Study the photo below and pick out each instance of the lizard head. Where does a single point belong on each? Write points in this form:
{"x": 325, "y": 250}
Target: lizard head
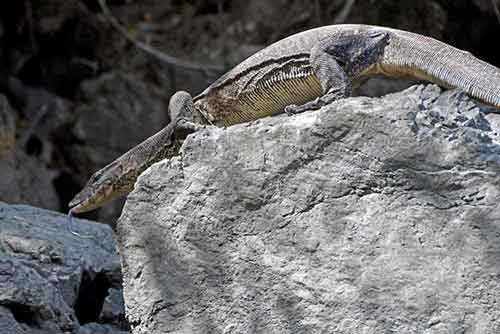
{"x": 357, "y": 52}
{"x": 103, "y": 186}
{"x": 118, "y": 178}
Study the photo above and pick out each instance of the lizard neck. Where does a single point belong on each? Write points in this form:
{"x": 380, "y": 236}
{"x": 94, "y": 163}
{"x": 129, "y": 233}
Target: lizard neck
{"x": 202, "y": 111}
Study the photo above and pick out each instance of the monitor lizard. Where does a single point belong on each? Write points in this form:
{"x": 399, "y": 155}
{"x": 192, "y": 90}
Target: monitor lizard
{"x": 302, "y": 72}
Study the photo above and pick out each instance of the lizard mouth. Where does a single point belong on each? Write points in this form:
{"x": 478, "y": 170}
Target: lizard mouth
{"x": 79, "y": 203}
{"x": 87, "y": 199}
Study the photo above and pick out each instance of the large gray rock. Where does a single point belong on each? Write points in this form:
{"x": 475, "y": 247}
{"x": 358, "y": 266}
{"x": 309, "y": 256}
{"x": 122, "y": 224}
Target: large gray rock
{"x": 52, "y": 281}
{"x": 372, "y": 215}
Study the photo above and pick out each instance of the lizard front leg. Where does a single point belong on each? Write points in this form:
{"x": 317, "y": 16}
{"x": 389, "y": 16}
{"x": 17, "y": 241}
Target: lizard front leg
{"x": 182, "y": 111}
{"x": 336, "y": 60}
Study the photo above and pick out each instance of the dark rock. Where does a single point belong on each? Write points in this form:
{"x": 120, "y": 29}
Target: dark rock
{"x": 380, "y": 86}
{"x": 53, "y": 43}
{"x": 26, "y": 175}
{"x": 118, "y": 112}
{"x": 113, "y": 309}
{"x": 25, "y": 179}
{"x": 52, "y": 281}
{"x": 427, "y": 17}
{"x": 7, "y": 126}
{"x": 369, "y": 215}
{"x": 8, "y": 324}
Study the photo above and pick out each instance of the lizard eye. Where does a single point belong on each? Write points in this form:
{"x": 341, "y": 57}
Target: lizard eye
{"x": 95, "y": 177}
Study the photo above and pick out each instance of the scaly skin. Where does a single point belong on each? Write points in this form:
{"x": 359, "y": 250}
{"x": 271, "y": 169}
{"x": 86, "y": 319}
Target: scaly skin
{"x": 302, "y": 72}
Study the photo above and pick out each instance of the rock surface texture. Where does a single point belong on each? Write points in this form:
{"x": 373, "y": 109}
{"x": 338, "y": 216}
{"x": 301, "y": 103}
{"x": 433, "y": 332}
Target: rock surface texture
{"x": 371, "y": 215}
{"x": 52, "y": 282}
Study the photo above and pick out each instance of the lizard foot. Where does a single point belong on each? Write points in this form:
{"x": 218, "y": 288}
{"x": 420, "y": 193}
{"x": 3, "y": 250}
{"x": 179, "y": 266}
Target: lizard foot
{"x": 293, "y": 109}
{"x": 329, "y": 97}
{"x": 183, "y": 128}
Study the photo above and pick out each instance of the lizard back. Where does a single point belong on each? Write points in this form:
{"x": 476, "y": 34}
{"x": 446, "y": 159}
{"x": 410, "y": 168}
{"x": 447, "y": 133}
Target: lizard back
{"x": 268, "y": 81}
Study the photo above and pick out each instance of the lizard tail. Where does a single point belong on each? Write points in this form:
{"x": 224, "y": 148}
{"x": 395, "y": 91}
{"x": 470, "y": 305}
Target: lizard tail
{"x": 432, "y": 60}
{"x": 474, "y": 76}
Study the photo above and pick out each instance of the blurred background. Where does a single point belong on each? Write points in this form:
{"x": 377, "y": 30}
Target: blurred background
{"x": 75, "y": 94}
